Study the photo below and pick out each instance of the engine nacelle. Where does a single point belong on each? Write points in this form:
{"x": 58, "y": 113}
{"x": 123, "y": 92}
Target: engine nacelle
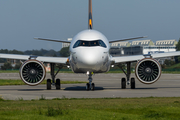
{"x": 148, "y": 70}
{"x": 32, "y": 72}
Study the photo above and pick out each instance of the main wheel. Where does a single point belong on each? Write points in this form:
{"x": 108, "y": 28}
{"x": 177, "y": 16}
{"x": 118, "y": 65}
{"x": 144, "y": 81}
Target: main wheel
{"x": 58, "y": 84}
{"x": 48, "y": 84}
{"x": 87, "y": 86}
{"x": 92, "y": 86}
{"x": 123, "y": 83}
{"x": 132, "y": 83}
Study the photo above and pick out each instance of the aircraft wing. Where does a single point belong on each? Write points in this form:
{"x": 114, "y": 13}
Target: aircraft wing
{"x": 134, "y": 58}
{"x": 111, "y": 41}
{"x": 53, "y": 40}
{"x": 60, "y": 60}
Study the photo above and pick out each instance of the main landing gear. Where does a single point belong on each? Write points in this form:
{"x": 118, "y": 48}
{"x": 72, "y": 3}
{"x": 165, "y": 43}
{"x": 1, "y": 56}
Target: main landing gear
{"x": 90, "y": 85}
{"x": 128, "y": 73}
{"x": 57, "y": 84}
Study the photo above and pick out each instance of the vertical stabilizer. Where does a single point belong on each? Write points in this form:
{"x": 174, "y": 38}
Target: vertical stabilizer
{"x": 90, "y": 26}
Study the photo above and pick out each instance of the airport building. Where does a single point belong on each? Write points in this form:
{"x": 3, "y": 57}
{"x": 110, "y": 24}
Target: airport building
{"x": 161, "y": 47}
{"x": 140, "y": 47}
{"x": 66, "y": 44}
{"x": 143, "y": 46}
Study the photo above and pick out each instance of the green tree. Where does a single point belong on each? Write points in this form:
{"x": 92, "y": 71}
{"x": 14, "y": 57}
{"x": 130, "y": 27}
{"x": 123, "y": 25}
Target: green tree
{"x": 17, "y": 66}
{"x": 6, "y": 66}
{"x": 64, "y": 52}
{"x": 178, "y": 45}
{"x": 168, "y": 62}
{"x": 177, "y": 58}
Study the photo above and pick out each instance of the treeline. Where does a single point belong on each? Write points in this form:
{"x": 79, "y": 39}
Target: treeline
{"x": 42, "y": 52}
{"x": 11, "y": 51}
{"x": 64, "y": 52}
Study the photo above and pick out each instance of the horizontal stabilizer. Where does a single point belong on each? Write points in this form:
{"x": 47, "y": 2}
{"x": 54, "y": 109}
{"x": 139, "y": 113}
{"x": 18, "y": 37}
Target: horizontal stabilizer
{"x": 111, "y": 41}
{"x": 53, "y": 40}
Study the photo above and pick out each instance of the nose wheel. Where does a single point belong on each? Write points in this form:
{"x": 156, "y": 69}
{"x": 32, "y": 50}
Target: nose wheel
{"x": 87, "y": 86}
{"x": 90, "y": 85}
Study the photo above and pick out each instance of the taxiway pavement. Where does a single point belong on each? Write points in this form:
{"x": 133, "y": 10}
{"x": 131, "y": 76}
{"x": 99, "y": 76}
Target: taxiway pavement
{"x": 106, "y": 85}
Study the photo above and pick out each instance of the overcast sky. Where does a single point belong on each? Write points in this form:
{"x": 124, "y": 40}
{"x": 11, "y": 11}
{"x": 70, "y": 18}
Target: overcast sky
{"x": 22, "y": 20}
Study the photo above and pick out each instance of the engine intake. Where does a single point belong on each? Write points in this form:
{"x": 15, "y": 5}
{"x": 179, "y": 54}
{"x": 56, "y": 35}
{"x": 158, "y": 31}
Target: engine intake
{"x": 148, "y": 70}
{"x": 32, "y": 72}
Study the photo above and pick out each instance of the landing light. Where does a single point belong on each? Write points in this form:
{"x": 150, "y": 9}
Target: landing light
{"x": 112, "y": 66}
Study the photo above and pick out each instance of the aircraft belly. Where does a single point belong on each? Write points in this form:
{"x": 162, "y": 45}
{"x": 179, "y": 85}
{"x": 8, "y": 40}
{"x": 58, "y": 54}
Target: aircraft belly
{"x": 79, "y": 67}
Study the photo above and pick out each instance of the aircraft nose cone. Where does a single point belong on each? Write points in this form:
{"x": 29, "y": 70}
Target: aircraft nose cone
{"x": 89, "y": 58}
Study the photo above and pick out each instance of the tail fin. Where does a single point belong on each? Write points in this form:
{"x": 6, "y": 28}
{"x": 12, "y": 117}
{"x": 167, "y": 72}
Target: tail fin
{"x": 90, "y": 26}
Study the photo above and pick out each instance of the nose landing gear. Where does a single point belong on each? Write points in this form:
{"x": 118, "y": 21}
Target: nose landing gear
{"x": 90, "y": 85}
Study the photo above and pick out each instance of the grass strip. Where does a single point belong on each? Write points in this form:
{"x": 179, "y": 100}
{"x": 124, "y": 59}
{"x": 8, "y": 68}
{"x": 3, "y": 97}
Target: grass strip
{"x": 4, "y": 82}
{"x": 92, "y": 109}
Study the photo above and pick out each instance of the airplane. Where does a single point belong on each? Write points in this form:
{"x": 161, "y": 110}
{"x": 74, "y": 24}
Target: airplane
{"x": 89, "y": 54}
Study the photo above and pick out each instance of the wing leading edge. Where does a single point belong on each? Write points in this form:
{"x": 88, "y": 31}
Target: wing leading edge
{"x": 111, "y": 41}
{"x": 134, "y": 58}
{"x": 53, "y": 40}
{"x": 60, "y": 60}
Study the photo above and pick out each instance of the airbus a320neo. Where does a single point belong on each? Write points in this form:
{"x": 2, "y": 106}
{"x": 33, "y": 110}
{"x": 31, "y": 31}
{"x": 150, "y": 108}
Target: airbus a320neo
{"x": 89, "y": 53}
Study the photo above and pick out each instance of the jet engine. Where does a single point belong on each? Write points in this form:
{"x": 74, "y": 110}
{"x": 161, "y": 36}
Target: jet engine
{"x": 32, "y": 72}
{"x": 148, "y": 70}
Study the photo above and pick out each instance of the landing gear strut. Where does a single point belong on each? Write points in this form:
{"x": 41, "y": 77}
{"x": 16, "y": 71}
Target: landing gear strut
{"x": 53, "y": 76}
{"x": 90, "y": 85}
{"x": 128, "y": 74}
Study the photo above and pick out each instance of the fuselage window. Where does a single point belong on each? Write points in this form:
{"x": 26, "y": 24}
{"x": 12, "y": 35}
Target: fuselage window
{"x": 77, "y": 44}
{"x": 89, "y": 43}
{"x": 101, "y": 43}
{"x": 94, "y": 43}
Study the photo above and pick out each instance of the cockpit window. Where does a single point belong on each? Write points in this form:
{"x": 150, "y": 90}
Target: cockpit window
{"x": 89, "y": 43}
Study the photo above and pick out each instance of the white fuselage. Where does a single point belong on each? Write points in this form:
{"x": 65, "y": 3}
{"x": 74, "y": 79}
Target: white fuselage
{"x": 89, "y": 52}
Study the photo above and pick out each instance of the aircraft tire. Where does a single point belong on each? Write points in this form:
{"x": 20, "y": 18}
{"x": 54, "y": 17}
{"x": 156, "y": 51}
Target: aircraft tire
{"x": 92, "y": 86}
{"x": 123, "y": 83}
{"x": 48, "y": 84}
{"x": 87, "y": 86}
{"x": 132, "y": 83}
{"x": 58, "y": 84}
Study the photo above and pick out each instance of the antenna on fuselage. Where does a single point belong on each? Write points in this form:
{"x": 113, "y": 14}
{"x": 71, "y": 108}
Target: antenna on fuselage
{"x": 90, "y": 26}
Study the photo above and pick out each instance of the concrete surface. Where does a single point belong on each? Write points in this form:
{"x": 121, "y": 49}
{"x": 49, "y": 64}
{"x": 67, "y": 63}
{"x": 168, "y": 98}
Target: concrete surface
{"x": 106, "y": 85}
